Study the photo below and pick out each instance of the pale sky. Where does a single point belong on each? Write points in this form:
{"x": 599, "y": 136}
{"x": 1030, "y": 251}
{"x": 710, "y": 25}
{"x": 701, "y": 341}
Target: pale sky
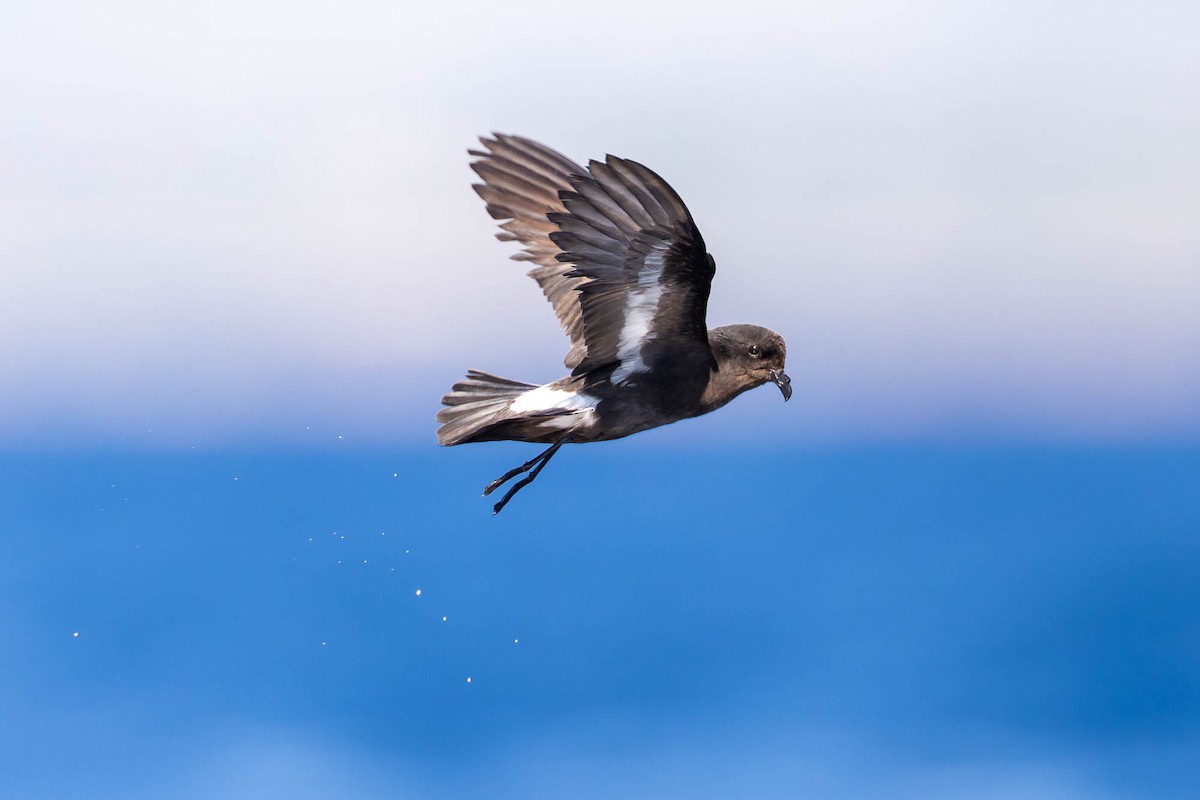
{"x": 245, "y": 222}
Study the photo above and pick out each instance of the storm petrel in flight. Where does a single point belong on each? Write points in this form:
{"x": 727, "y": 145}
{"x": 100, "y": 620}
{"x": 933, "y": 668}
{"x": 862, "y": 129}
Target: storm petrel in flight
{"x": 619, "y": 257}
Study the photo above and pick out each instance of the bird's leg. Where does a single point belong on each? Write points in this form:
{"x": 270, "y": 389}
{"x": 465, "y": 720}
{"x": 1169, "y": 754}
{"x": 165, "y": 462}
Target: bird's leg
{"x": 512, "y": 473}
{"x": 537, "y": 463}
{"x": 528, "y": 479}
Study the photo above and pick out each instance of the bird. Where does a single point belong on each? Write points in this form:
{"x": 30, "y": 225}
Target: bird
{"x": 618, "y": 255}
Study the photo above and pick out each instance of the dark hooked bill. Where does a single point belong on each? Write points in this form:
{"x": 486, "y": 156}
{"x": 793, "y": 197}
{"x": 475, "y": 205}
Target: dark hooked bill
{"x": 780, "y": 379}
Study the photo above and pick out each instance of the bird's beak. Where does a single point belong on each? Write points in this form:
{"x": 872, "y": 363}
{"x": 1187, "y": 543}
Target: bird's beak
{"x": 780, "y": 379}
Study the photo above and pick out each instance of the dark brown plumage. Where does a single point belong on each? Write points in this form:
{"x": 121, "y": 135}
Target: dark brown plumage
{"x": 620, "y": 259}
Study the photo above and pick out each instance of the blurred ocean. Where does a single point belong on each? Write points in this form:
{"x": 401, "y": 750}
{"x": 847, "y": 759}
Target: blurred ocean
{"x": 881, "y": 622}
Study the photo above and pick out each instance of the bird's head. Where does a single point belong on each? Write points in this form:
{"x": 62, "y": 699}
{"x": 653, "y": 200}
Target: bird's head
{"x": 749, "y": 356}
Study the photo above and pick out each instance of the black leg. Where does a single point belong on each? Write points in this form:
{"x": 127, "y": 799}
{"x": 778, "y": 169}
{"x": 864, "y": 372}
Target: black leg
{"x": 514, "y": 472}
{"x": 537, "y": 463}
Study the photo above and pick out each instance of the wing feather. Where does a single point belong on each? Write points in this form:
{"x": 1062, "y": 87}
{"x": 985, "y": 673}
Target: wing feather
{"x": 645, "y": 301}
{"x": 615, "y": 251}
{"x": 522, "y": 180}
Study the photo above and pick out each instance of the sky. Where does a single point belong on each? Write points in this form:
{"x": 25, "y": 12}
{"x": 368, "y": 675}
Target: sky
{"x": 236, "y": 222}
{"x": 240, "y": 262}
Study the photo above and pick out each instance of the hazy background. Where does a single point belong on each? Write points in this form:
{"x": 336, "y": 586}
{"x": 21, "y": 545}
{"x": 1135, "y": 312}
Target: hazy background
{"x": 240, "y": 262}
{"x": 232, "y": 220}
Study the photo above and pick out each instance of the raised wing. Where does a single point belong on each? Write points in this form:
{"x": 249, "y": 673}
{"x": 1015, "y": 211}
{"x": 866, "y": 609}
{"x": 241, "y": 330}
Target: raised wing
{"x": 645, "y": 272}
{"x": 522, "y": 181}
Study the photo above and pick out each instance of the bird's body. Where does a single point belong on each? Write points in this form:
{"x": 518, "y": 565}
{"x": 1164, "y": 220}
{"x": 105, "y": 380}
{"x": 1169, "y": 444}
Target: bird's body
{"x": 621, "y": 260}
{"x": 590, "y": 408}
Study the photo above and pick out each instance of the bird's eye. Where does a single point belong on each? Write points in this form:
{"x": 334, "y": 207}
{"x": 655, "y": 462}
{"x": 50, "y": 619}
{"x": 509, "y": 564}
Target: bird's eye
{"x": 755, "y": 351}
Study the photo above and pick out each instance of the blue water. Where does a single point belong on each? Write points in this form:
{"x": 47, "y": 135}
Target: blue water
{"x": 881, "y": 622}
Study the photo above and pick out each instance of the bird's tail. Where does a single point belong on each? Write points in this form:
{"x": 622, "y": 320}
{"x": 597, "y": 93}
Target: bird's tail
{"x": 475, "y": 403}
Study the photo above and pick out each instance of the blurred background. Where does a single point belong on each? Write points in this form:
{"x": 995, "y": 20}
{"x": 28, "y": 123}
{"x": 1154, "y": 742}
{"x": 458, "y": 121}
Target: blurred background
{"x": 240, "y": 262}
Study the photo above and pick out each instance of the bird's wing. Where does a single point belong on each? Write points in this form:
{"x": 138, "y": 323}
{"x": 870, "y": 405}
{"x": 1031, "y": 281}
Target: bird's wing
{"x": 522, "y": 180}
{"x": 645, "y": 271}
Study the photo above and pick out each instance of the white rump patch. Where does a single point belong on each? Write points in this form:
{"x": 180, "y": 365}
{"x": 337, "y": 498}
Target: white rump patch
{"x": 639, "y": 313}
{"x": 543, "y": 398}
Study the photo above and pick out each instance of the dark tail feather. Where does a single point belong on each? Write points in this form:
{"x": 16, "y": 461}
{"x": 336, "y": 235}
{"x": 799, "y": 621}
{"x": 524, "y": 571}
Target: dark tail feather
{"x": 475, "y": 403}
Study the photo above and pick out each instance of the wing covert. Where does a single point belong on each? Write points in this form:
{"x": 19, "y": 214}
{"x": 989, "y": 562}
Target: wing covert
{"x": 616, "y": 252}
{"x": 648, "y": 275}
